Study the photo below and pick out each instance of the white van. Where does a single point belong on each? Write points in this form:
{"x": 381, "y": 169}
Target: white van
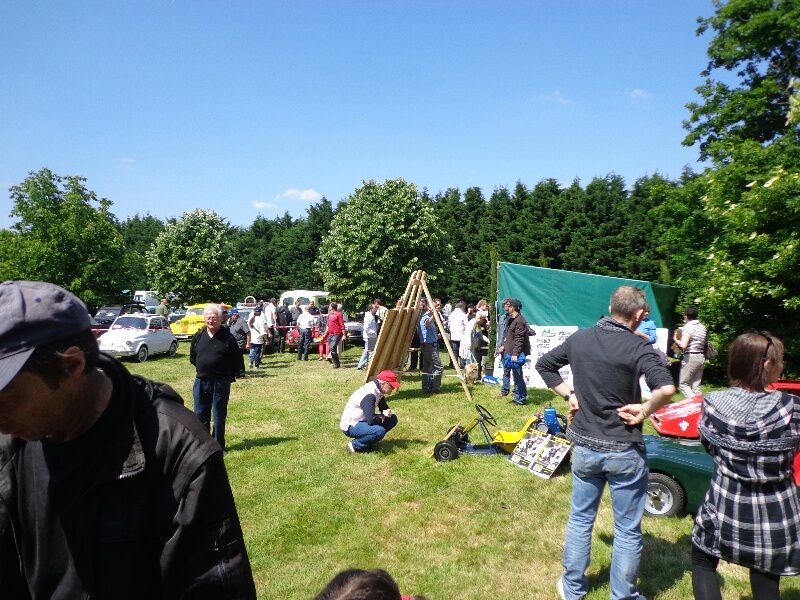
{"x": 304, "y": 296}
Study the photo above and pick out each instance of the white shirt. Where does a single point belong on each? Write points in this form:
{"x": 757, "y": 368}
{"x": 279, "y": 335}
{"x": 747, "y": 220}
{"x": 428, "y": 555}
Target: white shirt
{"x": 269, "y": 314}
{"x": 358, "y": 408}
{"x": 305, "y": 320}
{"x": 458, "y": 324}
{"x": 370, "y": 326}
{"x": 257, "y": 329}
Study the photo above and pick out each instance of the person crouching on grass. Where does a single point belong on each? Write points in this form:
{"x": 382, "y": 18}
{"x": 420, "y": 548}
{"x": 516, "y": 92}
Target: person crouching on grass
{"x": 359, "y": 419}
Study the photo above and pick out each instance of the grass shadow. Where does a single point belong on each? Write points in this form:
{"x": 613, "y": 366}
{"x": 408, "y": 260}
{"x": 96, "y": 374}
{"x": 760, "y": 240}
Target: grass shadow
{"x": 673, "y": 562}
{"x": 259, "y": 442}
{"x": 394, "y": 444}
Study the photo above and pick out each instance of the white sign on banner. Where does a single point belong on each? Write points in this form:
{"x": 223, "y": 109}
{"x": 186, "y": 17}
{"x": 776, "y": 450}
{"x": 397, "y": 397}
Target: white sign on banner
{"x": 546, "y": 338}
{"x": 549, "y": 337}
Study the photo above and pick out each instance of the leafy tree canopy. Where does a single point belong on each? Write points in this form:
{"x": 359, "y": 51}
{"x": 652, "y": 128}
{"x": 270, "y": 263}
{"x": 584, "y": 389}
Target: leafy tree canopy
{"x": 758, "y": 41}
{"x": 381, "y": 235}
{"x": 193, "y": 258}
{"x": 66, "y": 235}
{"x": 139, "y": 234}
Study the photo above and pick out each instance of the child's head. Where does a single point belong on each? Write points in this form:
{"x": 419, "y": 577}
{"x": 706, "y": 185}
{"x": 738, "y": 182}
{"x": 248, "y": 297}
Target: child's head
{"x": 357, "y": 584}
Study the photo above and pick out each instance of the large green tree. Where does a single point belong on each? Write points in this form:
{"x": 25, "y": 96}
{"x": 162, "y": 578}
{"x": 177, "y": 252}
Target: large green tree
{"x": 66, "y": 235}
{"x": 193, "y": 258}
{"x": 758, "y": 42}
{"x": 381, "y": 235}
{"x": 139, "y": 234}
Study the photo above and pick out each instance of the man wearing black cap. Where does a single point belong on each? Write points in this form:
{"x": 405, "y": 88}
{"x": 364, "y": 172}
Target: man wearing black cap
{"x": 109, "y": 487}
{"x": 516, "y": 347}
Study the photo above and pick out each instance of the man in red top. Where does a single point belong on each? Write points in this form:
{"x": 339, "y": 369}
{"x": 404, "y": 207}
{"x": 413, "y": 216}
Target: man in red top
{"x": 334, "y": 332}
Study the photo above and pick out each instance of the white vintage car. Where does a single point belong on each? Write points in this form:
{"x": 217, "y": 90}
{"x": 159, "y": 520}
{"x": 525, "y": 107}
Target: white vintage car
{"x": 139, "y": 335}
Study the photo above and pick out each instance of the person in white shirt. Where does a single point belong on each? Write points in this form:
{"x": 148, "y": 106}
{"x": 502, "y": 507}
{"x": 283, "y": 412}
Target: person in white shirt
{"x": 458, "y": 327}
{"x": 257, "y": 329}
{"x": 369, "y": 335}
{"x": 359, "y": 419}
{"x": 271, "y": 319}
{"x": 305, "y": 323}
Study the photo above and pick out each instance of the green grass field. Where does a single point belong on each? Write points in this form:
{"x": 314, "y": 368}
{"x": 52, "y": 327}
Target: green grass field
{"x": 475, "y": 528}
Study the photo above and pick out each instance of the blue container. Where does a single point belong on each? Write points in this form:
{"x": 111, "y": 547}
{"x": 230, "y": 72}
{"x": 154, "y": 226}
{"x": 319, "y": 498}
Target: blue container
{"x": 551, "y": 420}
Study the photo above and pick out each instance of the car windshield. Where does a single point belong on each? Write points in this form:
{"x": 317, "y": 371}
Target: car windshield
{"x": 195, "y": 311}
{"x": 107, "y": 313}
{"x": 130, "y": 323}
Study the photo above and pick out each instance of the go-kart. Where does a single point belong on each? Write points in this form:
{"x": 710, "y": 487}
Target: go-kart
{"x": 456, "y": 442}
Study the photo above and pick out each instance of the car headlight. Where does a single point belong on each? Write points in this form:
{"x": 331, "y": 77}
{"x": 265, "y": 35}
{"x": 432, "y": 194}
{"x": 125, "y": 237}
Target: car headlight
{"x": 129, "y": 344}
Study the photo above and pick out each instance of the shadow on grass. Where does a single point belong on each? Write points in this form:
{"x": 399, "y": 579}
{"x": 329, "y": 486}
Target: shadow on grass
{"x": 673, "y": 562}
{"x": 259, "y": 442}
{"x": 392, "y": 445}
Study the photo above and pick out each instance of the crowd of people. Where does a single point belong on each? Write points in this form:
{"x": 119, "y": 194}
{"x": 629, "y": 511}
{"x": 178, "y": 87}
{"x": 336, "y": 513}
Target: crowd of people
{"x": 108, "y": 482}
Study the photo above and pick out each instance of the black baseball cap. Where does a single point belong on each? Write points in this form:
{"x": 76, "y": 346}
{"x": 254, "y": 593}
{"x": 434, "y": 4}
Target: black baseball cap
{"x": 35, "y": 313}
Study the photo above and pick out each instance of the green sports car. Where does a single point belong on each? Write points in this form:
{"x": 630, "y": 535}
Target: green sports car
{"x": 680, "y": 473}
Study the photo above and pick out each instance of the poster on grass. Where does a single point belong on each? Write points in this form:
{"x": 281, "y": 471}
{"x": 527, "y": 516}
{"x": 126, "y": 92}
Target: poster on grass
{"x": 540, "y": 453}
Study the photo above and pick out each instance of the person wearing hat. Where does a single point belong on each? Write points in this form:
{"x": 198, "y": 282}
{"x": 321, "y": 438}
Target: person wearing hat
{"x": 514, "y": 350}
{"x": 359, "y": 419}
{"x": 109, "y": 487}
{"x": 162, "y": 310}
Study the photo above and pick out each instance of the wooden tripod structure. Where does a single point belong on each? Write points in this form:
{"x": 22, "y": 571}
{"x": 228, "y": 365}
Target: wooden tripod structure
{"x": 397, "y": 330}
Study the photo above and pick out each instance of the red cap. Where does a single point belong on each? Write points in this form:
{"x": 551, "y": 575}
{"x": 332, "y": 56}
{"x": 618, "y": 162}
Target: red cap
{"x": 389, "y": 377}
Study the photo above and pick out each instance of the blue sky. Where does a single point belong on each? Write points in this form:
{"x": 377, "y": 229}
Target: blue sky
{"x": 254, "y": 108}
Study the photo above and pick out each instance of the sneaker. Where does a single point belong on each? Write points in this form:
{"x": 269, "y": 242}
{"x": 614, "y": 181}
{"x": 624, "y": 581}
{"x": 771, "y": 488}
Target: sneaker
{"x": 560, "y": 588}
{"x": 520, "y": 402}
{"x": 350, "y": 448}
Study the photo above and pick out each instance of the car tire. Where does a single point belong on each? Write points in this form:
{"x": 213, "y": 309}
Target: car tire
{"x": 445, "y": 451}
{"x": 173, "y": 349}
{"x": 142, "y": 354}
{"x": 665, "y": 496}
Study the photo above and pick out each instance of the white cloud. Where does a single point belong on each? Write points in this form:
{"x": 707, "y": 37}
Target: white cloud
{"x": 126, "y": 162}
{"x": 556, "y": 97}
{"x": 640, "y": 95}
{"x": 265, "y": 205}
{"x": 309, "y": 195}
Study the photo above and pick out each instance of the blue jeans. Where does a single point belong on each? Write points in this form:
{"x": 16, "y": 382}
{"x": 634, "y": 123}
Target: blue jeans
{"x": 626, "y": 473}
{"x": 333, "y": 345}
{"x": 433, "y": 369}
{"x": 302, "y": 345}
{"x": 255, "y": 354}
{"x": 520, "y": 389}
{"x": 211, "y": 397}
{"x": 369, "y": 348}
{"x": 366, "y": 436}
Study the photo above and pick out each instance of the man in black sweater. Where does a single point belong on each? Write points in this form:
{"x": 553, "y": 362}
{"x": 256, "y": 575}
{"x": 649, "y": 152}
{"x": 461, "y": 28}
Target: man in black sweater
{"x": 215, "y": 354}
{"x": 607, "y": 361}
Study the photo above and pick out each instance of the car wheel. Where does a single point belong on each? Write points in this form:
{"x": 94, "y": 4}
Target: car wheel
{"x": 142, "y": 354}
{"x": 173, "y": 348}
{"x": 445, "y": 451}
{"x": 665, "y": 496}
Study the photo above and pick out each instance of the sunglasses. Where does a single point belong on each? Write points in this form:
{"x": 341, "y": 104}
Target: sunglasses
{"x": 766, "y": 336}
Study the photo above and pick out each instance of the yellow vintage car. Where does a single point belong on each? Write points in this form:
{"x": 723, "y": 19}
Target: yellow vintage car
{"x": 186, "y": 327}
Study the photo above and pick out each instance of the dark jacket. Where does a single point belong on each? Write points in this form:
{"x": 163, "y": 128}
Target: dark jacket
{"x": 516, "y": 340}
{"x": 157, "y": 520}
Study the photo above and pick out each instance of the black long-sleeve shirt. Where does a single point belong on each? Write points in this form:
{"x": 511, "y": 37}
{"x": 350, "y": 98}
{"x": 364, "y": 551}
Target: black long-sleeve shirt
{"x": 606, "y": 361}
{"x": 216, "y": 357}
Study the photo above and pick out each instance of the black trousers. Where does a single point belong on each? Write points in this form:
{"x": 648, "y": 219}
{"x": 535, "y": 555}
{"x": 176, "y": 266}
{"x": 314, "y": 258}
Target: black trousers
{"x": 705, "y": 585}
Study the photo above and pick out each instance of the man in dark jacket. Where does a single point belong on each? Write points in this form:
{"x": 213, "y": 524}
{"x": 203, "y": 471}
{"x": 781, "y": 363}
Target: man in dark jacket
{"x": 607, "y": 361}
{"x": 109, "y": 487}
{"x": 283, "y": 322}
{"x": 215, "y": 355}
{"x": 514, "y": 351}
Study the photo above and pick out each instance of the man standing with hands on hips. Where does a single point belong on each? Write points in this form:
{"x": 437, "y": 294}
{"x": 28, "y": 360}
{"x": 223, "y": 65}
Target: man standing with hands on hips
{"x": 607, "y": 361}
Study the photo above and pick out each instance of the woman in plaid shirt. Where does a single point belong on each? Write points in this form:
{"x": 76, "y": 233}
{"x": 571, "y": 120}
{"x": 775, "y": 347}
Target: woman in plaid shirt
{"x": 751, "y": 514}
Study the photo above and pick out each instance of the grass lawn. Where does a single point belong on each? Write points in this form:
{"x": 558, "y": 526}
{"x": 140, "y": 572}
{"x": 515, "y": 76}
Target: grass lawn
{"x": 475, "y": 528}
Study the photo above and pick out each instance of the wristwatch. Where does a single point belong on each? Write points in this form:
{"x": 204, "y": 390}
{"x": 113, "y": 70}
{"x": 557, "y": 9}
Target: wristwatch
{"x": 570, "y": 395}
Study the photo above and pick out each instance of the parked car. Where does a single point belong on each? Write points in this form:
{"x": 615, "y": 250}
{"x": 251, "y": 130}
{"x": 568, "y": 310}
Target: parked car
{"x": 105, "y": 315}
{"x": 304, "y": 296}
{"x": 186, "y": 327}
{"x": 680, "y": 473}
{"x": 139, "y": 335}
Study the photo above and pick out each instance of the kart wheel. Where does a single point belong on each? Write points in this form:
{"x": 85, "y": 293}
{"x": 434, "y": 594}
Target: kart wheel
{"x": 173, "y": 349}
{"x": 665, "y": 496}
{"x": 142, "y": 354}
{"x": 445, "y": 451}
